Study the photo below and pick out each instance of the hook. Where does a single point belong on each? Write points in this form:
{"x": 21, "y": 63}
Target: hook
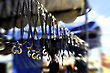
{"x": 33, "y": 56}
{"x": 19, "y": 46}
{"x": 29, "y": 50}
{"x": 38, "y": 57}
{"x": 20, "y": 50}
{"x": 29, "y": 55}
{"x": 48, "y": 58}
{"x": 44, "y": 52}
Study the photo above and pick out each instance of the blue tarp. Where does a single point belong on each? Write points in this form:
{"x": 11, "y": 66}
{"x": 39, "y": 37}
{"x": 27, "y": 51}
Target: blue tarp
{"x": 73, "y": 28}
{"x": 78, "y": 28}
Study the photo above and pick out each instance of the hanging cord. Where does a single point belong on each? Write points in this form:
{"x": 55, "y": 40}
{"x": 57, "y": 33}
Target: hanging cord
{"x": 37, "y": 15}
{"x": 53, "y": 24}
{"x": 16, "y": 45}
{"x": 62, "y": 44}
{"x": 36, "y": 48}
{"x": 86, "y": 27}
{"x": 42, "y": 20}
{"x": 33, "y": 41}
{"x": 42, "y": 15}
{"x": 26, "y": 5}
{"x": 22, "y": 20}
{"x": 43, "y": 25}
{"x": 30, "y": 31}
{"x": 29, "y": 14}
{"x": 22, "y": 29}
{"x": 24, "y": 8}
{"x": 50, "y": 25}
{"x": 36, "y": 20}
{"x": 86, "y": 20}
{"x": 32, "y": 22}
{"x": 13, "y": 19}
{"x": 27, "y": 62}
{"x": 45, "y": 19}
{"x": 71, "y": 40}
{"x": 66, "y": 39}
{"x": 46, "y": 22}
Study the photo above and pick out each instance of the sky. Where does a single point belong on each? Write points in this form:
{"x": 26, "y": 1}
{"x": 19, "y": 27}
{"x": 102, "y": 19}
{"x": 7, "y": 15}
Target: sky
{"x": 101, "y": 6}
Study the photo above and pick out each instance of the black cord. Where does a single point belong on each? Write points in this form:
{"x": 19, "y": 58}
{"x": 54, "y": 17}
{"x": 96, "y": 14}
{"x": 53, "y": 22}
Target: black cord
{"x": 62, "y": 43}
{"x": 46, "y": 23}
{"x": 86, "y": 20}
{"x": 42, "y": 21}
{"x": 86, "y": 27}
{"x": 22, "y": 20}
{"x": 13, "y": 19}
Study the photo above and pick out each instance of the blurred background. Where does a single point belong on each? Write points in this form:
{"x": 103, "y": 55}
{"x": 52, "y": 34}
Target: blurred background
{"x": 102, "y": 11}
{"x": 72, "y": 16}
